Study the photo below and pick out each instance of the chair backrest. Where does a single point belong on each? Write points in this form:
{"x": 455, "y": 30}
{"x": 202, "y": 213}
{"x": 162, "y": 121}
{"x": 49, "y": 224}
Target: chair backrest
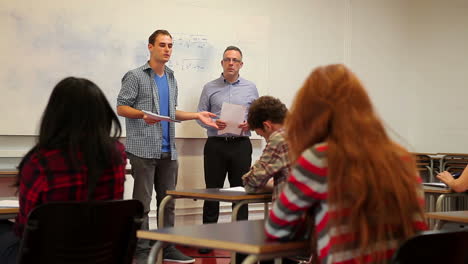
{"x": 94, "y": 232}
{"x": 441, "y": 246}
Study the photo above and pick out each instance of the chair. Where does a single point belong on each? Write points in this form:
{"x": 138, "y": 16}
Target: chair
{"x": 442, "y": 246}
{"x": 425, "y": 166}
{"x": 92, "y": 232}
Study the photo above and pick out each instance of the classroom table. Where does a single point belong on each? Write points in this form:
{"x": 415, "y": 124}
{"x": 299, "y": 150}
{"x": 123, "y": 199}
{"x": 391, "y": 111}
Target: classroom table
{"x": 441, "y": 194}
{"x": 444, "y": 217}
{"x": 215, "y": 194}
{"x": 7, "y": 179}
{"x": 247, "y": 237}
{"x": 8, "y": 172}
{"x": 8, "y": 212}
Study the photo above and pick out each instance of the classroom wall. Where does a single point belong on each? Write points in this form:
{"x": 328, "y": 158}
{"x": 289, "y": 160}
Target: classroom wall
{"x": 409, "y": 54}
{"x": 439, "y": 69}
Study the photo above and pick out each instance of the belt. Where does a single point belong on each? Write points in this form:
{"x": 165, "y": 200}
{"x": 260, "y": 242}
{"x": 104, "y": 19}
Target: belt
{"x": 229, "y": 139}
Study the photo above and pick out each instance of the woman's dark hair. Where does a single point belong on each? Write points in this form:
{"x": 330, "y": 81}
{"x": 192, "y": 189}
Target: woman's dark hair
{"x": 79, "y": 120}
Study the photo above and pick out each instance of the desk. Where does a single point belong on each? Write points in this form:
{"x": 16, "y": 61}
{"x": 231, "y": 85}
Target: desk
{"x": 246, "y": 237}
{"x": 8, "y": 212}
{"x": 215, "y": 194}
{"x": 219, "y": 195}
{"x": 7, "y": 179}
{"x": 452, "y": 216}
{"x": 441, "y": 194}
{"x": 8, "y": 172}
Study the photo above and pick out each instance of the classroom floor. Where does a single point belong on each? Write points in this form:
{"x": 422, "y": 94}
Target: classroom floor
{"x": 217, "y": 256}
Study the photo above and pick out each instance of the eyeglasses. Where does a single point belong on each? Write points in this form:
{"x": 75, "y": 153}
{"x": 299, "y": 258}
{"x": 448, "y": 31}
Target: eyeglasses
{"x": 234, "y": 60}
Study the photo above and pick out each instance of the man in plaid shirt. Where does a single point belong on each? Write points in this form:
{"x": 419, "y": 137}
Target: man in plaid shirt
{"x": 266, "y": 116}
{"x": 150, "y": 143}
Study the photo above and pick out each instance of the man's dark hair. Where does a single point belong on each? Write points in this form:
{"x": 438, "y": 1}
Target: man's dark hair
{"x": 266, "y": 108}
{"x": 233, "y": 48}
{"x": 155, "y": 34}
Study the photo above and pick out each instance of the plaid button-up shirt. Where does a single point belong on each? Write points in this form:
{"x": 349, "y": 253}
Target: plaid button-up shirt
{"x": 274, "y": 162}
{"x": 47, "y": 177}
{"x": 139, "y": 91}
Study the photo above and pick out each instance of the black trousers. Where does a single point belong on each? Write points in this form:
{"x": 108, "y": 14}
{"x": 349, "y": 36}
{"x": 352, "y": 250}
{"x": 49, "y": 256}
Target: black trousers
{"x": 225, "y": 156}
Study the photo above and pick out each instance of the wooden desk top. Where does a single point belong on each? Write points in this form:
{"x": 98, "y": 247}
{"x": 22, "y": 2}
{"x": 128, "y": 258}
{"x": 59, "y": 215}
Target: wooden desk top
{"x": 428, "y": 189}
{"x": 9, "y": 210}
{"x": 221, "y": 195}
{"x": 241, "y": 236}
{"x": 8, "y": 172}
{"x": 453, "y": 216}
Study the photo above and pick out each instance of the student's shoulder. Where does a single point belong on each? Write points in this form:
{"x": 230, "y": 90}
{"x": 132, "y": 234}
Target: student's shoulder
{"x": 138, "y": 71}
{"x": 316, "y": 152}
{"x": 278, "y": 138}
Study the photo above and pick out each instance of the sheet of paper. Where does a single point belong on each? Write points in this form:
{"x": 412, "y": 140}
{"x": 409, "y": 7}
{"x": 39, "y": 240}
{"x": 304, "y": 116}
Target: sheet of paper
{"x": 435, "y": 184}
{"x": 234, "y": 189}
{"x": 233, "y": 115}
{"x": 159, "y": 117}
{"x": 9, "y": 203}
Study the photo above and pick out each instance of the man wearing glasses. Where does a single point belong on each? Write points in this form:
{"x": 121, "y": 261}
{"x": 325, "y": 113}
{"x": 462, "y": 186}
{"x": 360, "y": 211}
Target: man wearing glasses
{"x": 227, "y": 153}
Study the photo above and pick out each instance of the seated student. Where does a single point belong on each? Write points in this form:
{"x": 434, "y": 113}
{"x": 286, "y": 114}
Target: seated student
{"x": 75, "y": 159}
{"x": 266, "y": 116}
{"x": 459, "y": 184}
{"x": 360, "y": 188}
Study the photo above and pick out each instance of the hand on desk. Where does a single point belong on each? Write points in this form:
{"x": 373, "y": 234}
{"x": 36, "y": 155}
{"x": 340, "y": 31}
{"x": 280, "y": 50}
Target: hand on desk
{"x": 446, "y": 178}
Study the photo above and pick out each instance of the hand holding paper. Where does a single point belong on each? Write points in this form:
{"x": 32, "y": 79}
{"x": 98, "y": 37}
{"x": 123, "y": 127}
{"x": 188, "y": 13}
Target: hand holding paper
{"x": 156, "y": 118}
{"x": 233, "y": 116}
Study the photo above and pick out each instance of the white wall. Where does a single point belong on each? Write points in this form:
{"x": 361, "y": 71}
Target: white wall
{"x": 439, "y": 75}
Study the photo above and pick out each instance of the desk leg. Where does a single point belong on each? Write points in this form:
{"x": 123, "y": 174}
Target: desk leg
{"x": 156, "y": 253}
{"x": 265, "y": 210}
{"x": 235, "y": 210}
{"x": 250, "y": 259}
{"x": 439, "y": 202}
{"x": 161, "y": 208}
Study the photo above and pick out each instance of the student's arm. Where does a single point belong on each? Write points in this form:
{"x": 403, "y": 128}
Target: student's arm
{"x": 130, "y": 112}
{"x": 273, "y": 159}
{"x": 304, "y": 189}
{"x": 458, "y": 185}
{"x": 127, "y": 98}
{"x": 204, "y": 117}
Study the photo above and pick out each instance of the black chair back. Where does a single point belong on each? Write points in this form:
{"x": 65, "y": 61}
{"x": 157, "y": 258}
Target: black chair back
{"x": 95, "y": 232}
{"x": 441, "y": 246}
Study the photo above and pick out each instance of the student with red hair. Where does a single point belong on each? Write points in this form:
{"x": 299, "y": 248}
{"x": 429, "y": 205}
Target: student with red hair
{"x": 360, "y": 188}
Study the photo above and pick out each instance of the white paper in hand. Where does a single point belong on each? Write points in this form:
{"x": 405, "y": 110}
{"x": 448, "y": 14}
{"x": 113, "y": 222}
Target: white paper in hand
{"x": 159, "y": 117}
{"x": 233, "y": 115}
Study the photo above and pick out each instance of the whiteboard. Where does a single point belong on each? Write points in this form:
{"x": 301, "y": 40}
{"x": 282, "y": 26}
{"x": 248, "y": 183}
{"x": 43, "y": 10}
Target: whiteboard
{"x": 102, "y": 40}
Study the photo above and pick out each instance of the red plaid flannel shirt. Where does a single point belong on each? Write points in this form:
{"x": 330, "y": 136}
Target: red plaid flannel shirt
{"x": 49, "y": 179}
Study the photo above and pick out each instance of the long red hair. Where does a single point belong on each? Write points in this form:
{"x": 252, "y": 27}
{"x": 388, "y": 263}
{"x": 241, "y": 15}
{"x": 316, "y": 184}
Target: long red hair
{"x": 368, "y": 174}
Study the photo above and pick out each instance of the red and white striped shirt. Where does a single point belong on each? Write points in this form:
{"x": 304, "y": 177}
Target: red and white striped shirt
{"x": 307, "y": 189}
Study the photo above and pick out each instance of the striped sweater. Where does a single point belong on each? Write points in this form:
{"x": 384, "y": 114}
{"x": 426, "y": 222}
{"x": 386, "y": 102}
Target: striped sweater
{"x": 307, "y": 189}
